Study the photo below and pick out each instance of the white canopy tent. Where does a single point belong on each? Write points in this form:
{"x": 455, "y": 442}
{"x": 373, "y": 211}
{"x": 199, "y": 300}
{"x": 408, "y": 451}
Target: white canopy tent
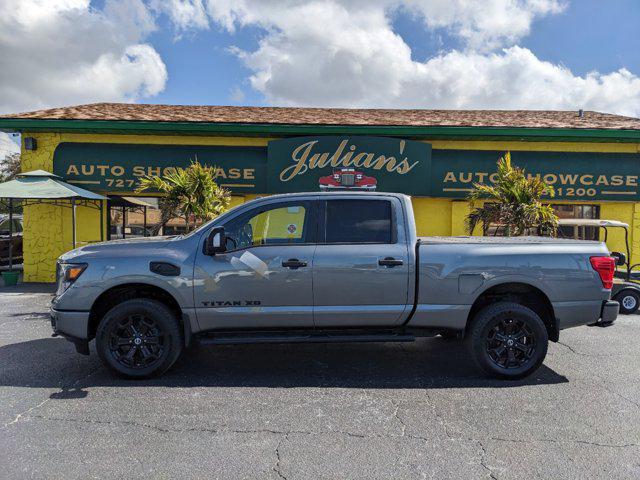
{"x": 39, "y": 186}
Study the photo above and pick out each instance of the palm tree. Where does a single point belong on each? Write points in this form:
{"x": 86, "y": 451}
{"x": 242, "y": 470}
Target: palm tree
{"x": 513, "y": 201}
{"x": 191, "y": 192}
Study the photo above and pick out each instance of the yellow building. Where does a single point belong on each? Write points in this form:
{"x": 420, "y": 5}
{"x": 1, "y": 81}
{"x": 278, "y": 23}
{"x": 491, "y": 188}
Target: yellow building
{"x": 592, "y": 160}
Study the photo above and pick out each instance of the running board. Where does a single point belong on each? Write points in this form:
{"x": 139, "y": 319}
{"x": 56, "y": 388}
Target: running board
{"x": 280, "y": 337}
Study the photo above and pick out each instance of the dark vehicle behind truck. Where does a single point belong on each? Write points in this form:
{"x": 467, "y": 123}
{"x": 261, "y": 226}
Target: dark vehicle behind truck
{"x": 10, "y": 236}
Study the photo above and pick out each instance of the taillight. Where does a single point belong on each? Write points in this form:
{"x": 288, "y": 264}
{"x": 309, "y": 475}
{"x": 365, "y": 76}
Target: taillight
{"x": 605, "y": 266}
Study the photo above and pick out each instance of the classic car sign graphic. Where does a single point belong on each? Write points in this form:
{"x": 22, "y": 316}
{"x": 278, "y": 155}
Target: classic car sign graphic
{"x": 347, "y": 178}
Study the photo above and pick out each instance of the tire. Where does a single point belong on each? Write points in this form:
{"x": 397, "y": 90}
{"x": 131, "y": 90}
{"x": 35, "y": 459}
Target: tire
{"x": 518, "y": 351}
{"x": 629, "y": 301}
{"x": 139, "y": 338}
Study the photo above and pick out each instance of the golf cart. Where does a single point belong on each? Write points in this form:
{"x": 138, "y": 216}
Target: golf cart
{"x": 626, "y": 284}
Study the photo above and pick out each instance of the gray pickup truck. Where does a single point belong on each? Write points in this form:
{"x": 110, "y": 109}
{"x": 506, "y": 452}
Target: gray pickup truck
{"x": 328, "y": 267}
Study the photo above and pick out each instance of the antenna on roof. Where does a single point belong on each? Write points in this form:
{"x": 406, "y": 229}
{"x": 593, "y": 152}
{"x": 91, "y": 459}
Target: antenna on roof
{"x": 580, "y": 113}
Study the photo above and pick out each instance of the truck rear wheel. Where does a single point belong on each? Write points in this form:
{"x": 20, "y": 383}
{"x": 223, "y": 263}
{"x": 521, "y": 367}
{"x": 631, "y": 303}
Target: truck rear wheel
{"x": 508, "y": 340}
{"x": 139, "y": 338}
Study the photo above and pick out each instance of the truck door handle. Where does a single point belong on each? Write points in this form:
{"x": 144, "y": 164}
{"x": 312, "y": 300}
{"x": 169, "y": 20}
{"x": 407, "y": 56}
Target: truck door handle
{"x": 389, "y": 262}
{"x": 293, "y": 263}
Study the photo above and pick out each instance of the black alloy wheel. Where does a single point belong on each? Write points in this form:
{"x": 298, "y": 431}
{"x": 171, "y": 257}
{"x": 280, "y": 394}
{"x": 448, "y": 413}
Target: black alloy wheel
{"x": 139, "y": 338}
{"x": 510, "y": 343}
{"x": 507, "y": 340}
{"x": 137, "y": 342}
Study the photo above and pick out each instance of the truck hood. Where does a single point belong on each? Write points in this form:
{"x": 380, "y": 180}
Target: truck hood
{"x": 132, "y": 247}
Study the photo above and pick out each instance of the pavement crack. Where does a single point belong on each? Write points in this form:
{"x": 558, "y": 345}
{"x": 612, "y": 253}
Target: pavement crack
{"x": 399, "y": 419}
{"x": 439, "y": 417}
{"x": 552, "y": 440}
{"x": 224, "y": 430}
{"x": 26, "y": 412}
{"x": 483, "y": 461}
{"x": 613, "y": 392}
{"x": 277, "y": 467}
{"x": 577, "y": 352}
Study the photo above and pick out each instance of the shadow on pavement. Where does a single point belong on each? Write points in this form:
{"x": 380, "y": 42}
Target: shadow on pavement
{"x": 428, "y": 363}
{"x": 30, "y": 288}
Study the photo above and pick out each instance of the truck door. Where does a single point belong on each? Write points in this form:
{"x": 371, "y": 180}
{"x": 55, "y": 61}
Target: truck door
{"x": 361, "y": 271}
{"x": 264, "y": 278}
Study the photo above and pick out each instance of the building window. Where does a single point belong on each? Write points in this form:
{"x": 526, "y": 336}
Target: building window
{"x": 578, "y": 211}
{"x": 131, "y": 217}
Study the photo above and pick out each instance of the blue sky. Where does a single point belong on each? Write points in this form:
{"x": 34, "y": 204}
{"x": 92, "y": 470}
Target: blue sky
{"x": 490, "y": 54}
{"x": 588, "y": 35}
{"x": 201, "y": 68}
{"x": 462, "y": 54}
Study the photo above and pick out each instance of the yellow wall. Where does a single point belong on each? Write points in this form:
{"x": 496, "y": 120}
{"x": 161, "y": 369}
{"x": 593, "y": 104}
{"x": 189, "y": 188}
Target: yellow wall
{"x": 47, "y": 232}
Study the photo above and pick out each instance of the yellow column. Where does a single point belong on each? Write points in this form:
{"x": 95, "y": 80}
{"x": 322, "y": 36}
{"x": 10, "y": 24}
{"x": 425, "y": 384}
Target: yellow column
{"x": 44, "y": 225}
{"x": 634, "y": 234}
{"x": 459, "y": 211}
{"x": 433, "y": 215}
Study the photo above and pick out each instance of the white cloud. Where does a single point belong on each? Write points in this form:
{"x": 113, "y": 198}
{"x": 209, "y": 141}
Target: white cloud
{"x": 346, "y": 53}
{"x": 7, "y": 145}
{"x": 61, "y": 52}
{"x": 487, "y": 24}
{"x": 311, "y": 53}
{"x": 185, "y": 14}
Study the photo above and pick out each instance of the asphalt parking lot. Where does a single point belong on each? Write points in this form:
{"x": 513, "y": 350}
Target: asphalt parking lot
{"x": 415, "y": 410}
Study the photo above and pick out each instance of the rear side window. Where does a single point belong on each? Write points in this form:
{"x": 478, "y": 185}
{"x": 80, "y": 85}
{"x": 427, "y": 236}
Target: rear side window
{"x": 358, "y": 221}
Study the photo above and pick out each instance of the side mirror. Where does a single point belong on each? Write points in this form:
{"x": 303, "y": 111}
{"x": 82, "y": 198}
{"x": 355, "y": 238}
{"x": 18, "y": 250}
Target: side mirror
{"x": 216, "y": 242}
{"x": 621, "y": 258}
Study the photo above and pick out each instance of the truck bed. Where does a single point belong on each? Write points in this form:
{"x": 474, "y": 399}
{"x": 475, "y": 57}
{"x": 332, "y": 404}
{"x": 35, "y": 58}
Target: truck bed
{"x": 504, "y": 240}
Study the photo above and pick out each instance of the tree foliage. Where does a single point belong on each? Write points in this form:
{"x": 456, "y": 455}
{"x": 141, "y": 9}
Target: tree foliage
{"x": 513, "y": 203}
{"x": 188, "y": 193}
{"x": 9, "y": 167}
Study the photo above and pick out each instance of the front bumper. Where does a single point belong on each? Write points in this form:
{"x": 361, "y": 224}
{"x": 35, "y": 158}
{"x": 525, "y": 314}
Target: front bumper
{"x": 70, "y": 324}
{"x": 609, "y": 312}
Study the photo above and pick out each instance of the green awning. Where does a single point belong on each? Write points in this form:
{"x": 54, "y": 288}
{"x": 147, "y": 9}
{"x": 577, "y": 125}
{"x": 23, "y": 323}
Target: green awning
{"x": 39, "y": 184}
{"x": 129, "y": 202}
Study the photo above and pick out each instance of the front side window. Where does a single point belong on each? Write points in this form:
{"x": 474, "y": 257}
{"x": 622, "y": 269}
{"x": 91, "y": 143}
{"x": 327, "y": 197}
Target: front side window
{"x": 359, "y": 221}
{"x": 278, "y": 225}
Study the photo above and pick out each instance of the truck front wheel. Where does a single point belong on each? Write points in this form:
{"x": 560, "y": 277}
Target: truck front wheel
{"x": 139, "y": 338}
{"x": 508, "y": 340}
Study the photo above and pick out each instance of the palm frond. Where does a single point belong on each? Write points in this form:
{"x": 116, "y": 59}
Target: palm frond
{"x": 188, "y": 192}
{"x": 513, "y": 200}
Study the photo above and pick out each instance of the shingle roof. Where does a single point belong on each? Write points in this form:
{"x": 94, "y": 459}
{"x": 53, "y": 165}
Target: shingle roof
{"x": 335, "y": 116}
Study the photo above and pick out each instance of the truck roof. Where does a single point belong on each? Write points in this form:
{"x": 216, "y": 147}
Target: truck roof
{"x": 346, "y": 191}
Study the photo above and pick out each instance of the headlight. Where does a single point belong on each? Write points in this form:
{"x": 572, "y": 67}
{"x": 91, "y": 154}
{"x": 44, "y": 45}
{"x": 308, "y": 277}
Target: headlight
{"x": 67, "y": 274}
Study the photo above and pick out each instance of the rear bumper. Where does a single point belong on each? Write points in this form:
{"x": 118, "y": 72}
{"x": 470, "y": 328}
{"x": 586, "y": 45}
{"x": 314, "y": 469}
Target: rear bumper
{"x": 575, "y": 314}
{"x": 609, "y": 312}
